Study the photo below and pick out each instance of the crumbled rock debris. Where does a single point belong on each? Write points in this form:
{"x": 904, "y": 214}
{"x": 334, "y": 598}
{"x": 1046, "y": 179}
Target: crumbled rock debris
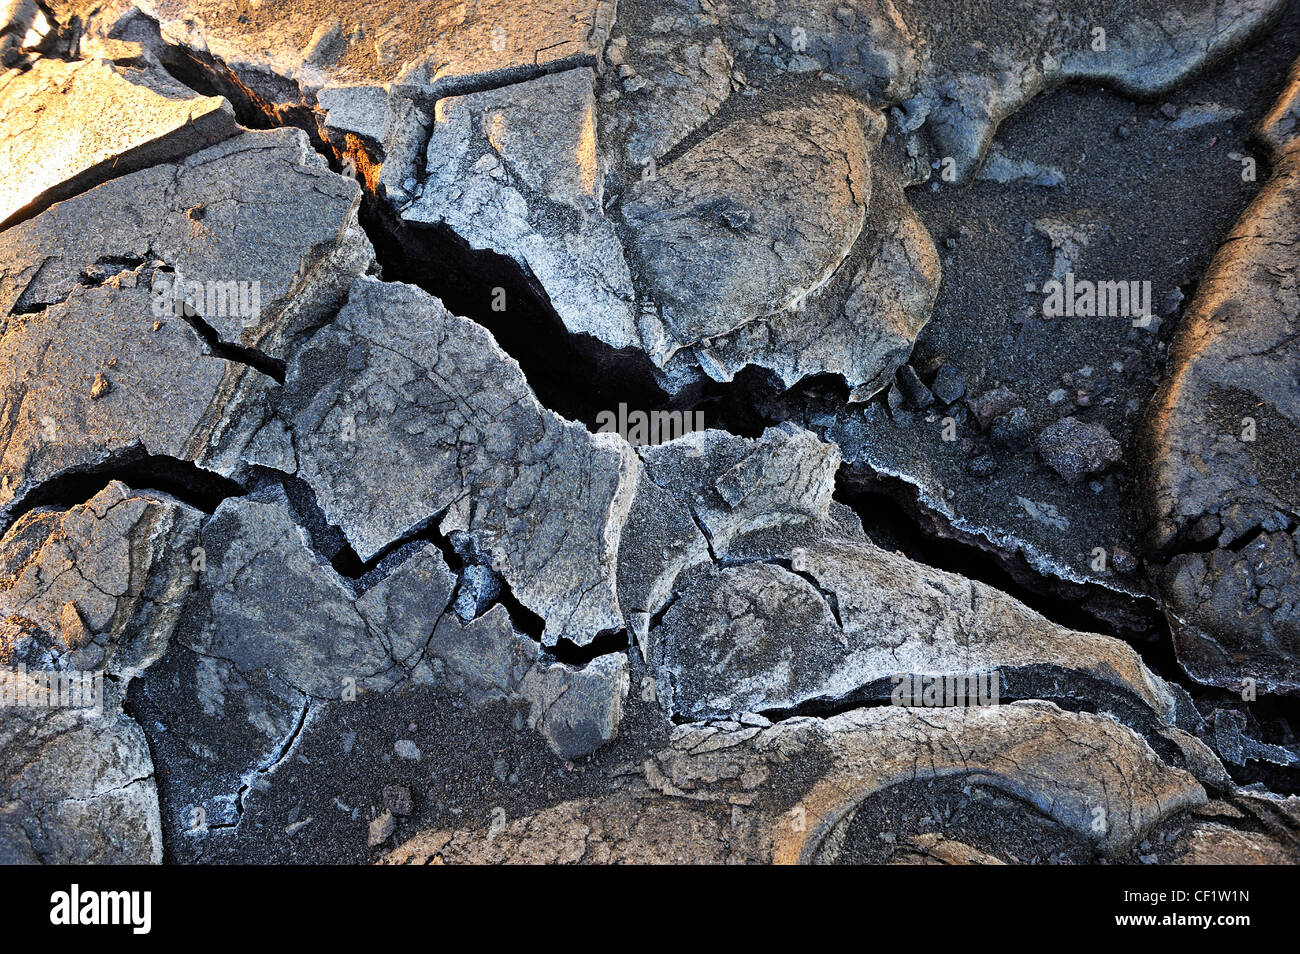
{"x": 948, "y": 513}
{"x": 1074, "y": 449}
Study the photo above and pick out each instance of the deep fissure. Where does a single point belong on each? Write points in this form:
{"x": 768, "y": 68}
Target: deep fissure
{"x": 187, "y": 482}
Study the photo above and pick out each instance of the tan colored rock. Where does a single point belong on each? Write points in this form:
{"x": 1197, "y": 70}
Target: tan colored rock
{"x": 730, "y": 793}
{"x": 74, "y": 124}
{"x": 1218, "y": 448}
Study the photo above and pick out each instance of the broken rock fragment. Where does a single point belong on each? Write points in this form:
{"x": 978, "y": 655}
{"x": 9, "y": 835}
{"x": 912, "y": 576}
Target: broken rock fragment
{"x": 170, "y": 397}
{"x": 713, "y": 496}
{"x": 269, "y": 608}
{"x": 1075, "y": 449}
{"x": 577, "y": 710}
{"x": 255, "y": 235}
{"x": 99, "y": 585}
{"x": 77, "y": 787}
{"x": 403, "y": 414}
{"x": 271, "y": 638}
{"x": 518, "y": 170}
{"x": 847, "y": 620}
{"x": 703, "y": 224}
{"x": 1220, "y": 438}
{"x": 89, "y": 591}
{"x": 85, "y": 121}
{"x": 845, "y": 285}
{"x": 742, "y": 490}
{"x": 1236, "y": 614}
{"x": 112, "y": 298}
{"x": 265, "y": 602}
{"x": 441, "y": 49}
{"x": 703, "y": 798}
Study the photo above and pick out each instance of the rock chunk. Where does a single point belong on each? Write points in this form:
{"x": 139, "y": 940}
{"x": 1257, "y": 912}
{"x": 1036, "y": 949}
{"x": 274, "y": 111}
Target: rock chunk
{"x": 257, "y": 272}
{"x": 673, "y": 73}
{"x": 577, "y": 710}
{"x": 1075, "y": 449}
{"x": 442, "y": 49}
{"x": 697, "y": 799}
{"x": 1236, "y": 615}
{"x": 78, "y": 788}
{"x": 266, "y": 604}
{"x": 403, "y": 413}
{"x": 97, "y": 586}
{"x": 847, "y": 620}
{"x": 1220, "y": 438}
{"x": 171, "y": 397}
{"x": 745, "y": 492}
{"x": 517, "y": 170}
{"x": 89, "y": 120}
{"x": 704, "y": 225}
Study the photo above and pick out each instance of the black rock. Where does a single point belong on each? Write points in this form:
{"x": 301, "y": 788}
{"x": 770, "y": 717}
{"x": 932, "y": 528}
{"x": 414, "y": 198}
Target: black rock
{"x": 949, "y": 384}
{"x": 397, "y": 799}
{"x": 1074, "y": 449}
{"x": 1013, "y": 430}
{"x": 992, "y": 403}
{"x": 915, "y": 392}
{"x": 894, "y": 398}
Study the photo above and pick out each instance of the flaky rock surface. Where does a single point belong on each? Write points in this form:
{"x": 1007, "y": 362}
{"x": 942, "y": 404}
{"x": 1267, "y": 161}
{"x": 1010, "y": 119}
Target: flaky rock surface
{"x": 1219, "y": 443}
{"x": 642, "y": 432}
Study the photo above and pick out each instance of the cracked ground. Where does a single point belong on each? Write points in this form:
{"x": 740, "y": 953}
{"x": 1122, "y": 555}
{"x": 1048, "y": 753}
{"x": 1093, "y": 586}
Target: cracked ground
{"x": 693, "y": 431}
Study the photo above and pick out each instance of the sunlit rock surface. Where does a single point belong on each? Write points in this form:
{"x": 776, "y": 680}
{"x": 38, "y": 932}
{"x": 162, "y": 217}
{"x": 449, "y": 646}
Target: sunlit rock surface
{"x": 1223, "y": 488}
{"x": 292, "y": 296}
{"x": 77, "y": 123}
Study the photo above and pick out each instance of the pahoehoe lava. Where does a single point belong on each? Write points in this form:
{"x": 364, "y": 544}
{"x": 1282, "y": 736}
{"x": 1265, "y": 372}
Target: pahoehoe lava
{"x": 691, "y": 431}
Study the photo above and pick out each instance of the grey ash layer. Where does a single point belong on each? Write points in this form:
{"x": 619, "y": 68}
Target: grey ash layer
{"x": 354, "y": 592}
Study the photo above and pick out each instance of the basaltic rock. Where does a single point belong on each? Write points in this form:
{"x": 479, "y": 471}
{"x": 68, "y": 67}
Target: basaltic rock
{"x": 1222, "y": 491}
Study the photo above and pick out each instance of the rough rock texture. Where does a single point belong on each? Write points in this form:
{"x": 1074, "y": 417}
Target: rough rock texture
{"x": 439, "y": 48}
{"x": 170, "y": 396}
{"x": 704, "y": 224}
{"x": 88, "y": 591}
{"x": 268, "y": 268}
{"x": 508, "y": 150}
{"x": 711, "y": 496}
{"x": 171, "y": 262}
{"x": 743, "y": 492}
{"x": 699, "y": 799}
{"x": 100, "y": 584}
{"x": 269, "y": 607}
{"x": 867, "y": 620}
{"x": 1220, "y": 440}
{"x": 354, "y": 577}
{"x": 1145, "y": 51}
{"x": 1074, "y": 449}
{"x": 672, "y": 77}
{"x": 955, "y": 77}
{"x": 961, "y": 74}
{"x": 398, "y": 393}
{"x": 265, "y": 603}
{"x": 517, "y": 170}
{"x": 77, "y": 789}
{"x": 75, "y": 124}
{"x": 271, "y": 636}
{"x": 730, "y": 296}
